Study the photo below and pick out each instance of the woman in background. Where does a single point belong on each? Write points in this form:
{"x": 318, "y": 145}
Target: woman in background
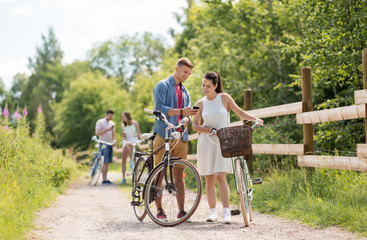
{"x": 130, "y": 131}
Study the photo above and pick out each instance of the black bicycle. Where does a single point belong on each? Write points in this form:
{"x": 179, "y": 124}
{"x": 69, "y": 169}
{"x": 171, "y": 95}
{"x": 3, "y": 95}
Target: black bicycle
{"x": 165, "y": 184}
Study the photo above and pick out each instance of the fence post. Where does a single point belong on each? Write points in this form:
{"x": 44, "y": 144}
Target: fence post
{"x": 248, "y": 106}
{"x": 307, "y": 107}
{"x": 364, "y": 63}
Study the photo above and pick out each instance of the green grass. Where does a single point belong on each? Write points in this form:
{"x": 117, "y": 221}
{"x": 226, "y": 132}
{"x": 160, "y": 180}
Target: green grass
{"x": 326, "y": 198}
{"x": 32, "y": 174}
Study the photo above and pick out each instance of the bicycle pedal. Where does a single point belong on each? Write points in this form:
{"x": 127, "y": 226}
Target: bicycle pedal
{"x": 257, "y": 181}
{"x": 235, "y": 212}
{"x": 135, "y": 203}
{"x": 170, "y": 186}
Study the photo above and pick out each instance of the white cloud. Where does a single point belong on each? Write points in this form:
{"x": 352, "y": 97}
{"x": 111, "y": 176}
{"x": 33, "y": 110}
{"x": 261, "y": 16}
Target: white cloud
{"x": 10, "y": 68}
{"x": 24, "y": 10}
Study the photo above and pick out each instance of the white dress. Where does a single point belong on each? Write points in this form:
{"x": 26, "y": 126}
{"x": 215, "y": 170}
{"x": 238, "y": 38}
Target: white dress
{"x": 209, "y": 156}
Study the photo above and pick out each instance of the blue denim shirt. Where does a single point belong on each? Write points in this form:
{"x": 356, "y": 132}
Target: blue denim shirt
{"x": 165, "y": 98}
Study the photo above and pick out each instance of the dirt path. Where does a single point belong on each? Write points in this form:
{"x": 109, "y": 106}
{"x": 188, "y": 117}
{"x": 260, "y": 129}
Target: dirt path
{"x": 104, "y": 212}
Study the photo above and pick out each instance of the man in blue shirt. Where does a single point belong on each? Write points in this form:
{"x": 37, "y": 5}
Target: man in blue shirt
{"x": 173, "y": 99}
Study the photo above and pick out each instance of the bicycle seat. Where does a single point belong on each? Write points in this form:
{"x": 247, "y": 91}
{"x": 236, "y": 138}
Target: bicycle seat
{"x": 147, "y": 136}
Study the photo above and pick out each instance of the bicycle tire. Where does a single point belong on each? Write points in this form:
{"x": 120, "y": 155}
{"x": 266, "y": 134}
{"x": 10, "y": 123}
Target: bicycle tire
{"x": 92, "y": 168}
{"x": 242, "y": 191}
{"x": 97, "y": 171}
{"x": 250, "y": 189}
{"x": 192, "y": 197}
{"x": 141, "y": 173}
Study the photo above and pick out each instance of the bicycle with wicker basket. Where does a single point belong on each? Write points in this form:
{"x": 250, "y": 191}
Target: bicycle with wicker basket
{"x": 235, "y": 143}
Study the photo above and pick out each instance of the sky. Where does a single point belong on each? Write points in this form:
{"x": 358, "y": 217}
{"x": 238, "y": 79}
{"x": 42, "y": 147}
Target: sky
{"x": 77, "y": 24}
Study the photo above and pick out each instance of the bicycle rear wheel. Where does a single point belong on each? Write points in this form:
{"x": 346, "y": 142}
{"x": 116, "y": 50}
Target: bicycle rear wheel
{"x": 140, "y": 175}
{"x": 242, "y": 191}
{"x": 189, "y": 193}
{"x": 96, "y": 171}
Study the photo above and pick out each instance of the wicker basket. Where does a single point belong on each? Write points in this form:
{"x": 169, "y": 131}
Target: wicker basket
{"x": 235, "y": 141}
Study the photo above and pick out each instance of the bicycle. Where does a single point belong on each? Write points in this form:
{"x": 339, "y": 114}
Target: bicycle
{"x": 133, "y": 144}
{"x": 96, "y": 166}
{"x": 236, "y": 147}
{"x": 161, "y": 184}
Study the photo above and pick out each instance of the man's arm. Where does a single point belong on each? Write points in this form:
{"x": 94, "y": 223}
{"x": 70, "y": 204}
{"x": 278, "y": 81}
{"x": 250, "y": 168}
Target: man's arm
{"x": 160, "y": 93}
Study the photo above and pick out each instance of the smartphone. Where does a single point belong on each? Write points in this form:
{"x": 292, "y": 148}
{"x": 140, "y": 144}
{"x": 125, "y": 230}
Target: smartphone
{"x": 196, "y": 107}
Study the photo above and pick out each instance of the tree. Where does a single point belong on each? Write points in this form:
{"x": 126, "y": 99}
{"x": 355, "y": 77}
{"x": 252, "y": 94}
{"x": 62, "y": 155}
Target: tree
{"x": 240, "y": 41}
{"x": 127, "y": 56}
{"x": 45, "y": 84}
{"x": 330, "y": 40}
{"x": 86, "y": 101}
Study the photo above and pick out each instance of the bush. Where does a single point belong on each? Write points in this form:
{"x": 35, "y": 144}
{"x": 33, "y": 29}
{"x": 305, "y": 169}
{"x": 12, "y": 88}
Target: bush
{"x": 31, "y": 175}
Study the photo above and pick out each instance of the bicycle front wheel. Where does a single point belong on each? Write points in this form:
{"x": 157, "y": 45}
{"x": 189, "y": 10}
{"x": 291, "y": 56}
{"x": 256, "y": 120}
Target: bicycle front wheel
{"x": 242, "y": 191}
{"x": 96, "y": 171}
{"x": 140, "y": 175}
{"x": 183, "y": 195}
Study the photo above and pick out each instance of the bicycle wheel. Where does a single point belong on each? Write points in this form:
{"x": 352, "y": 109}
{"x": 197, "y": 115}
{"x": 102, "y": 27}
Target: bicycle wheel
{"x": 96, "y": 171}
{"x": 242, "y": 191}
{"x": 140, "y": 175}
{"x": 189, "y": 193}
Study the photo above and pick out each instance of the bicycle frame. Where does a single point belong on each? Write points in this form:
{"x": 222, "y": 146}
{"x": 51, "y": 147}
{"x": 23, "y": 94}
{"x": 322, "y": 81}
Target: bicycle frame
{"x": 166, "y": 156}
{"x": 134, "y": 144}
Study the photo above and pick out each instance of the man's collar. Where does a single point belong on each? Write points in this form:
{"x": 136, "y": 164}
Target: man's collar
{"x": 172, "y": 81}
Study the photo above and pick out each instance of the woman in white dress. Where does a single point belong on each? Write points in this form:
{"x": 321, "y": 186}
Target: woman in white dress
{"x": 130, "y": 132}
{"x": 214, "y": 110}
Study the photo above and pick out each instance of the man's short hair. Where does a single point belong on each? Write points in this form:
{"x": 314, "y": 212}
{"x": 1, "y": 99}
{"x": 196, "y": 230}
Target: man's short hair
{"x": 110, "y": 111}
{"x": 184, "y": 62}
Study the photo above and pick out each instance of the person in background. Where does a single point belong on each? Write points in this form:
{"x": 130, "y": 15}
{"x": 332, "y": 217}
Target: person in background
{"x": 130, "y": 131}
{"x": 105, "y": 129}
{"x": 214, "y": 110}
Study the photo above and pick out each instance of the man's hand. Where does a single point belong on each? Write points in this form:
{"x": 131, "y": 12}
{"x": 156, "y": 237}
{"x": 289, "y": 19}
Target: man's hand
{"x": 189, "y": 111}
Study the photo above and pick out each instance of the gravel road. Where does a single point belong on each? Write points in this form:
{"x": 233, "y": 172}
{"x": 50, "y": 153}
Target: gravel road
{"x": 104, "y": 212}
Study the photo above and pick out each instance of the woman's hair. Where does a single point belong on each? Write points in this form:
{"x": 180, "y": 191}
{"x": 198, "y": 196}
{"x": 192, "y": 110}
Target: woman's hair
{"x": 216, "y": 79}
{"x": 129, "y": 119}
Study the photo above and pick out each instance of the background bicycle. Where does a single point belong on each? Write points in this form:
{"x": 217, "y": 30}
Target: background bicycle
{"x": 97, "y": 161}
{"x": 133, "y": 145}
{"x": 235, "y": 142}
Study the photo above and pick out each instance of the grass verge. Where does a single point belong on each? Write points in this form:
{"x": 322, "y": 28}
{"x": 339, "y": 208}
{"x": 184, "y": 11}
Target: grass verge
{"x": 328, "y": 197}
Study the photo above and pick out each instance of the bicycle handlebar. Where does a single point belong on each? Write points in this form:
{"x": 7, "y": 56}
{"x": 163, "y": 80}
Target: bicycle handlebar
{"x": 131, "y": 142}
{"x": 162, "y": 117}
{"x": 256, "y": 122}
{"x": 94, "y": 138}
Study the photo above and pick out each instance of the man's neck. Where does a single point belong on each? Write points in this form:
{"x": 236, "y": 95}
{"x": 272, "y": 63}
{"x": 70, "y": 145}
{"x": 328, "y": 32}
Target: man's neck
{"x": 175, "y": 78}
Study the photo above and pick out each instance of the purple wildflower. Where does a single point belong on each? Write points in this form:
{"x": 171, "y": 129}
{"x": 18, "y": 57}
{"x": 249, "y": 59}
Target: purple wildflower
{"x": 25, "y": 112}
{"x": 6, "y": 112}
{"x": 39, "y": 109}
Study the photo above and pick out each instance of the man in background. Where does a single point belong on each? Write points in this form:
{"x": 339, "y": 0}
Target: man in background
{"x": 105, "y": 129}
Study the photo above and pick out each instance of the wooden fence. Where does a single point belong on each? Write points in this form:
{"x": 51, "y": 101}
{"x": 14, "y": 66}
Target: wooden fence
{"x": 306, "y": 117}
